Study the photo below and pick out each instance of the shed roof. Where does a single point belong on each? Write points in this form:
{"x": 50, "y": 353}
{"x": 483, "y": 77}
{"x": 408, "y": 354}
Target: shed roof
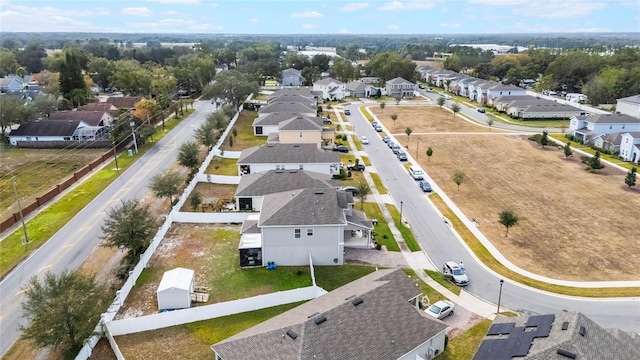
{"x": 178, "y": 278}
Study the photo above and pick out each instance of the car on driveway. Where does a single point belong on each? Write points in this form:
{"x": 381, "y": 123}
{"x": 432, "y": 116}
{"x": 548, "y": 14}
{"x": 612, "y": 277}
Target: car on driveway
{"x": 347, "y": 112}
{"x": 386, "y": 139}
{"x": 402, "y": 156}
{"x": 425, "y": 186}
{"x": 341, "y": 148}
{"x": 454, "y": 272}
{"x": 354, "y": 167}
{"x": 441, "y": 309}
{"x": 481, "y": 110}
{"x": 352, "y": 189}
{"x": 364, "y": 139}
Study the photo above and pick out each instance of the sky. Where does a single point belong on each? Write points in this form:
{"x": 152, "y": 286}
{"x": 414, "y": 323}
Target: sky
{"x": 321, "y": 17}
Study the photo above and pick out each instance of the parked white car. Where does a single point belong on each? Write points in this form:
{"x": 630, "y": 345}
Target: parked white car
{"x": 364, "y": 139}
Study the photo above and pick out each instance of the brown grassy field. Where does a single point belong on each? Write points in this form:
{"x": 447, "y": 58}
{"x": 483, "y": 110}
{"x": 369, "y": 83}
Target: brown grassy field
{"x": 423, "y": 119}
{"x": 578, "y": 225}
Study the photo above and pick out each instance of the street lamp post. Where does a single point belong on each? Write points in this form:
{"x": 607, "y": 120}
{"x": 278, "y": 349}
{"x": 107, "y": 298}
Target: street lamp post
{"x": 133, "y": 133}
{"x": 400, "y": 210}
{"x": 500, "y": 296}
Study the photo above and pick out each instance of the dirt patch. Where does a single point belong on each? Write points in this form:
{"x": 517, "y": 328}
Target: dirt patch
{"x": 223, "y": 192}
{"x": 422, "y": 119}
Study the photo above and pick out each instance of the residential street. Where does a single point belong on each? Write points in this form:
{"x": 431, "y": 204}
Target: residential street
{"x": 68, "y": 248}
{"x": 442, "y": 245}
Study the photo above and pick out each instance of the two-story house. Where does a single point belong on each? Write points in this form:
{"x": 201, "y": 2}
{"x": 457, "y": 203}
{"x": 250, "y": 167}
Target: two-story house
{"x": 630, "y": 147}
{"x": 292, "y": 77}
{"x": 498, "y": 90}
{"x": 400, "y": 88}
{"x": 330, "y": 88}
{"x": 302, "y": 130}
{"x": 586, "y": 128}
{"x": 286, "y": 157}
{"x": 629, "y": 105}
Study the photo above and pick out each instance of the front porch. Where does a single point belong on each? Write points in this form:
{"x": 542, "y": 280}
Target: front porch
{"x": 358, "y": 239}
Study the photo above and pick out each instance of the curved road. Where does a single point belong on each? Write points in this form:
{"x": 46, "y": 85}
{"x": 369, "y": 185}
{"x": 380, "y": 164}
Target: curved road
{"x": 70, "y": 246}
{"x": 441, "y": 245}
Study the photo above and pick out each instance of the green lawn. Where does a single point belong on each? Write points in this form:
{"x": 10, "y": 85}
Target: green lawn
{"x": 381, "y": 228}
{"x": 358, "y": 144}
{"x": 366, "y": 113}
{"x": 245, "y": 138}
{"x": 465, "y": 345}
{"x": 427, "y": 290}
{"x": 354, "y": 180}
{"x": 407, "y": 234}
{"x": 223, "y": 166}
{"x": 589, "y": 150}
{"x": 44, "y": 225}
{"x": 366, "y": 161}
{"x": 439, "y": 278}
{"x": 378, "y": 182}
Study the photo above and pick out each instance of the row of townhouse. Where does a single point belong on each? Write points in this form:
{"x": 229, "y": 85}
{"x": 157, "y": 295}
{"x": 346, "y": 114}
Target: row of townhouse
{"x": 90, "y": 122}
{"x": 300, "y": 210}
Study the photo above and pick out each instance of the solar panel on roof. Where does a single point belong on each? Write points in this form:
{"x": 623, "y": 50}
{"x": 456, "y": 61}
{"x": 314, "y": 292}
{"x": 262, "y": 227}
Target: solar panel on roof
{"x": 501, "y": 329}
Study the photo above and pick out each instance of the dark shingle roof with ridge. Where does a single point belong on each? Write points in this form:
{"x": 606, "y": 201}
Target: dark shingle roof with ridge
{"x": 287, "y": 153}
{"x": 274, "y": 118}
{"x": 613, "y": 119}
{"x": 275, "y": 181}
{"x": 46, "y": 128}
{"x": 301, "y": 123}
{"x": 92, "y": 118}
{"x": 302, "y": 207}
{"x": 287, "y": 106}
{"x": 384, "y": 326}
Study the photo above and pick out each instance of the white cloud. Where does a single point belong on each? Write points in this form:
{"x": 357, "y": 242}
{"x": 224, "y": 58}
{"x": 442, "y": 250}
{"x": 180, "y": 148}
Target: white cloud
{"x": 309, "y": 26}
{"x": 450, "y": 26}
{"x": 254, "y": 20}
{"x": 137, "y": 11}
{"x": 393, "y": 27}
{"x": 172, "y": 25}
{"x": 354, "y": 6}
{"x": 407, "y": 5}
{"x": 182, "y": 2}
{"x": 552, "y": 9}
{"x": 307, "y": 14}
{"x": 444, "y": 10}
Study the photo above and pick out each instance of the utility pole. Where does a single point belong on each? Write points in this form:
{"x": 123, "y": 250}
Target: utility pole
{"x": 133, "y": 133}
{"x": 24, "y": 227}
{"x": 115, "y": 155}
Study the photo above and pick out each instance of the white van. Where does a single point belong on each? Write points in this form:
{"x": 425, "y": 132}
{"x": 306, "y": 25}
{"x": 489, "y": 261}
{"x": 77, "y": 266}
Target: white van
{"x": 416, "y": 173}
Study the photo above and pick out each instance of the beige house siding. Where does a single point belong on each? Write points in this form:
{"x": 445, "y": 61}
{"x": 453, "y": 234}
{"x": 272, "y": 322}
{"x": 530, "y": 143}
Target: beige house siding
{"x": 300, "y": 137}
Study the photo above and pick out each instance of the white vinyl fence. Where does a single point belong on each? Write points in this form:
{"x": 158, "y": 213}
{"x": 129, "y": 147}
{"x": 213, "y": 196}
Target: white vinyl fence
{"x": 209, "y": 218}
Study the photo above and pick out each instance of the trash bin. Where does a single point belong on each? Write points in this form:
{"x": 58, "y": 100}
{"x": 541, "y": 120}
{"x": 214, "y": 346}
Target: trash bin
{"x": 130, "y": 152}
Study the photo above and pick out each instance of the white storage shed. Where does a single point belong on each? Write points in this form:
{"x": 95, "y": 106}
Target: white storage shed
{"x": 175, "y": 289}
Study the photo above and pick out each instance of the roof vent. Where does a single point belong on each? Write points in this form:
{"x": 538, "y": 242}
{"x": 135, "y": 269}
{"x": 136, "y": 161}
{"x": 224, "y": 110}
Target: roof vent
{"x": 319, "y": 193}
{"x": 312, "y": 315}
{"x": 292, "y": 334}
{"x": 565, "y": 325}
{"x": 320, "y": 319}
{"x": 582, "y": 331}
{"x": 296, "y": 145}
{"x": 357, "y": 301}
{"x": 566, "y": 353}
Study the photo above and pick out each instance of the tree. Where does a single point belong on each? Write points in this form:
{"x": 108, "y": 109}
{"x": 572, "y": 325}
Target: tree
{"x": 8, "y": 63}
{"x": 390, "y": 65}
{"x": 146, "y": 108}
{"x": 440, "y": 101}
{"x": 397, "y": 99}
{"x": 458, "y": 177}
{"x": 129, "y": 226}
{"x": 382, "y": 105}
{"x": 101, "y": 69}
{"x": 455, "y": 108}
{"x": 630, "y": 179}
{"x": 363, "y": 190}
{"x": 489, "y": 121}
{"x": 12, "y": 111}
{"x": 408, "y": 131}
{"x": 188, "y": 155}
{"x": 166, "y": 184}
{"x": 72, "y": 85}
{"x": 567, "y": 150}
{"x": 394, "y": 117}
{"x": 544, "y": 138}
{"x": 131, "y": 78}
{"x": 231, "y": 85}
{"x": 429, "y": 153}
{"x": 593, "y": 162}
{"x": 195, "y": 200}
{"x": 44, "y": 105}
{"x": 206, "y": 134}
{"x": 63, "y": 310}
{"x": 508, "y": 218}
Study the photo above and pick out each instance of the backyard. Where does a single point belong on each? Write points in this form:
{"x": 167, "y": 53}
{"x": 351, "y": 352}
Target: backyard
{"x": 245, "y": 138}
{"x": 554, "y": 197}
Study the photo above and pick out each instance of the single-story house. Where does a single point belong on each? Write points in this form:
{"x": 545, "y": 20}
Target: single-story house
{"x": 359, "y": 89}
{"x": 313, "y": 221}
{"x": 586, "y": 128}
{"x": 286, "y": 157}
{"x": 124, "y": 102}
{"x": 529, "y": 107}
{"x": 92, "y": 118}
{"x": 292, "y": 77}
{"x": 567, "y": 335}
{"x": 629, "y": 105}
{"x": 55, "y": 130}
{"x": 374, "y": 317}
{"x": 400, "y": 88}
{"x": 175, "y": 289}
{"x": 331, "y": 89}
{"x": 253, "y": 187}
{"x": 630, "y": 147}
{"x": 10, "y": 84}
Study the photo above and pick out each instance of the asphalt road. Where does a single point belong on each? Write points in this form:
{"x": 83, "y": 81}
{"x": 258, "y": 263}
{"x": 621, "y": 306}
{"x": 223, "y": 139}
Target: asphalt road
{"x": 441, "y": 245}
{"x": 70, "y": 246}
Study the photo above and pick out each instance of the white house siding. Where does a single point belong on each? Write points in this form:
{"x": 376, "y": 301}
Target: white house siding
{"x": 629, "y": 109}
{"x": 291, "y": 80}
{"x": 630, "y": 148}
{"x": 319, "y": 168}
{"x": 13, "y": 140}
{"x": 280, "y": 246}
{"x": 435, "y": 343}
{"x": 602, "y": 128}
{"x": 266, "y": 130}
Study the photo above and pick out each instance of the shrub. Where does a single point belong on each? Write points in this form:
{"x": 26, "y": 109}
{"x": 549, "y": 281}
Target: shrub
{"x": 535, "y": 138}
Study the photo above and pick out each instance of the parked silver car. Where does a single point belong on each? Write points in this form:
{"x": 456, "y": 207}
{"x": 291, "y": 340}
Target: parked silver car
{"x": 454, "y": 272}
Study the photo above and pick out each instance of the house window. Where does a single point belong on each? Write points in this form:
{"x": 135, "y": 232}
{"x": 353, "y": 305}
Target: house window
{"x": 300, "y": 134}
{"x": 610, "y": 126}
{"x": 296, "y": 233}
{"x": 310, "y": 232}
{"x": 258, "y": 130}
{"x": 279, "y": 167}
{"x": 301, "y": 167}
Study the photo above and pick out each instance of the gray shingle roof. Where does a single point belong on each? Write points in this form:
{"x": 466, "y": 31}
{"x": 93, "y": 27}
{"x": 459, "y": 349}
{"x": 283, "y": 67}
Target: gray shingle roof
{"x": 92, "y": 118}
{"x": 291, "y": 72}
{"x": 302, "y": 207}
{"x": 635, "y": 99}
{"x": 328, "y": 81}
{"x": 384, "y": 326}
{"x": 287, "y": 153}
{"x": 612, "y": 119}
{"x": 359, "y": 218}
{"x": 292, "y": 97}
{"x": 274, "y": 118}
{"x": 398, "y": 81}
{"x": 300, "y": 91}
{"x": 287, "y": 106}
{"x": 301, "y": 123}
{"x": 357, "y": 86}
{"x": 531, "y": 104}
{"x": 275, "y": 181}
{"x": 127, "y": 102}
{"x": 46, "y": 128}
{"x": 597, "y": 342}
